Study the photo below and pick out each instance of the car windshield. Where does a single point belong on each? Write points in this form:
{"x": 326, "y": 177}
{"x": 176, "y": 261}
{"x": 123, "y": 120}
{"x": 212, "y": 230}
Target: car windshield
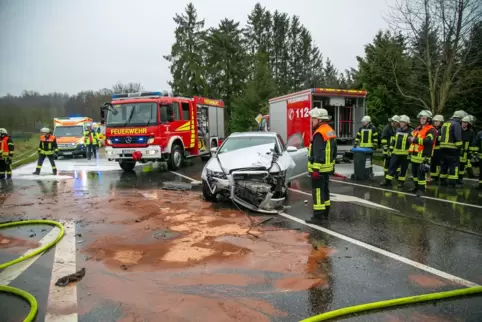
{"x": 236, "y": 143}
{"x": 133, "y": 114}
{"x": 61, "y": 131}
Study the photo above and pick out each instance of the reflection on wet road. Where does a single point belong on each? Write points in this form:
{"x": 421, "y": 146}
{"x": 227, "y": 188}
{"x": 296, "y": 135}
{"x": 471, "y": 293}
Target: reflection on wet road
{"x": 153, "y": 252}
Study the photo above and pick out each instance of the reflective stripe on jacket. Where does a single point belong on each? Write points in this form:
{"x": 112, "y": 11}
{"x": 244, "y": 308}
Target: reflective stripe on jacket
{"x": 87, "y": 139}
{"x": 451, "y": 136}
{"x": 467, "y": 140}
{"x": 48, "y": 145}
{"x": 423, "y": 143}
{"x": 322, "y": 149}
{"x": 400, "y": 143}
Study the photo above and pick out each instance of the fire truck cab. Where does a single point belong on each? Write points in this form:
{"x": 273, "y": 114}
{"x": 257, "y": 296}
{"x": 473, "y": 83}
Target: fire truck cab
{"x": 153, "y": 126}
{"x": 289, "y": 114}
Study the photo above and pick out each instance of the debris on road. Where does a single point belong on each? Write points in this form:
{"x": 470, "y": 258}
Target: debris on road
{"x": 72, "y": 278}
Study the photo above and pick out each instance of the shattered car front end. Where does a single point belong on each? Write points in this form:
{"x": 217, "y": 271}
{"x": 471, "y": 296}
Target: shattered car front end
{"x": 261, "y": 188}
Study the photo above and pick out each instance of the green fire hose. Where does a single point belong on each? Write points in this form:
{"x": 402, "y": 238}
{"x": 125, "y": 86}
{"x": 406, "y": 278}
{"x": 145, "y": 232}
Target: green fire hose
{"x": 27, "y": 296}
{"x": 393, "y": 302}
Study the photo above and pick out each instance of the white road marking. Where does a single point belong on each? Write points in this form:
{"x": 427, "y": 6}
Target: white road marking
{"x": 391, "y": 255}
{"x": 345, "y": 198}
{"x": 12, "y": 272}
{"x": 63, "y": 299}
{"x": 385, "y": 253}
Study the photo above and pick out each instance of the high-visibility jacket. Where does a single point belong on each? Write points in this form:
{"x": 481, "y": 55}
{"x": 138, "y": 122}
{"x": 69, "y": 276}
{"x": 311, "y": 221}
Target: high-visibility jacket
{"x": 423, "y": 143}
{"x": 400, "y": 144}
{"x": 467, "y": 140}
{"x": 386, "y": 138}
{"x": 477, "y": 145}
{"x": 367, "y": 137}
{"x": 7, "y": 147}
{"x": 91, "y": 137}
{"x": 322, "y": 149}
{"x": 451, "y": 136}
{"x": 48, "y": 145}
{"x": 439, "y": 135}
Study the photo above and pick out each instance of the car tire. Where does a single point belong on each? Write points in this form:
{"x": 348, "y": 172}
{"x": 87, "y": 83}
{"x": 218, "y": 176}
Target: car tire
{"x": 175, "y": 158}
{"x": 208, "y": 196}
{"x": 206, "y": 158}
{"x": 127, "y": 166}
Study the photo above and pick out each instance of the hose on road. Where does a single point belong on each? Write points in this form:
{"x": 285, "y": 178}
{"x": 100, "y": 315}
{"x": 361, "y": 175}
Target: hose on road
{"x": 394, "y": 302}
{"x": 27, "y": 296}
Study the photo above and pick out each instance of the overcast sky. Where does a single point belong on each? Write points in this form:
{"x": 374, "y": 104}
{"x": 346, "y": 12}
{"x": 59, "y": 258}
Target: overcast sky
{"x": 69, "y": 46}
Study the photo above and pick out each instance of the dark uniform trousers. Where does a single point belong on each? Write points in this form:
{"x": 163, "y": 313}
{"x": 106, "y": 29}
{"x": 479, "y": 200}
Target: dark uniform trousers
{"x": 41, "y": 159}
{"x": 419, "y": 175}
{"x": 449, "y": 165}
{"x": 398, "y": 163}
{"x": 321, "y": 191}
{"x": 435, "y": 164}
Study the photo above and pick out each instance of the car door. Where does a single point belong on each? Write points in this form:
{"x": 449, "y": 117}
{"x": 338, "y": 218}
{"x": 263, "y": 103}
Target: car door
{"x": 285, "y": 159}
{"x": 300, "y": 156}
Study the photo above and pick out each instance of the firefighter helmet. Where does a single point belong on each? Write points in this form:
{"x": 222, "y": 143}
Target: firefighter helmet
{"x": 459, "y": 114}
{"x": 473, "y": 119}
{"x": 45, "y": 130}
{"x": 438, "y": 118}
{"x": 394, "y": 118}
{"x": 366, "y": 119}
{"x": 467, "y": 119}
{"x": 3, "y": 131}
{"x": 405, "y": 119}
{"x": 425, "y": 113}
{"x": 319, "y": 113}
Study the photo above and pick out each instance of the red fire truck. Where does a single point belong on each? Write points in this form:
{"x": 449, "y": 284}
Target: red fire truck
{"x": 153, "y": 126}
{"x": 289, "y": 117}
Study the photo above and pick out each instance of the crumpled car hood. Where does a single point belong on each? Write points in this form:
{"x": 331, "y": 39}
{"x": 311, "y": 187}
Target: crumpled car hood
{"x": 251, "y": 157}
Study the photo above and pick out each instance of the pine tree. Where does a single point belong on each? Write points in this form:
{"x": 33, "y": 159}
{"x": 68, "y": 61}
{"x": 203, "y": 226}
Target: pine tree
{"x": 280, "y": 52}
{"x": 331, "y": 75}
{"x": 295, "y": 55}
{"x": 186, "y": 59}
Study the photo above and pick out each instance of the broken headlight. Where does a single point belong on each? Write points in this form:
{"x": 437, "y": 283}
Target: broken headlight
{"x": 216, "y": 174}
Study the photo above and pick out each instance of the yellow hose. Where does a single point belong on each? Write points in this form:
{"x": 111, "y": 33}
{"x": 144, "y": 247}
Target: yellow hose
{"x": 393, "y": 302}
{"x": 27, "y": 296}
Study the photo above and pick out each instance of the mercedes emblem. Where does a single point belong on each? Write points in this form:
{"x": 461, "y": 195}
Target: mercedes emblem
{"x": 128, "y": 139}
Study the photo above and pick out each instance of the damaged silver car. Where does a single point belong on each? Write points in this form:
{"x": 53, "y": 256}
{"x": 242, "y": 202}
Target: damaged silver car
{"x": 252, "y": 169}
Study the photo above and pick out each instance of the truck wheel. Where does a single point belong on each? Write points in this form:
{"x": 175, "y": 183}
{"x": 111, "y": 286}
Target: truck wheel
{"x": 208, "y": 196}
{"x": 127, "y": 166}
{"x": 175, "y": 158}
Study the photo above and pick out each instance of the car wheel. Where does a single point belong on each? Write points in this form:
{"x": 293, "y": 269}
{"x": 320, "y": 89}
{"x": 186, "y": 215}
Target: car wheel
{"x": 208, "y": 196}
{"x": 175, "y": 158}
{"x": 127, "y": 166}
{"x": 205, "y": 158}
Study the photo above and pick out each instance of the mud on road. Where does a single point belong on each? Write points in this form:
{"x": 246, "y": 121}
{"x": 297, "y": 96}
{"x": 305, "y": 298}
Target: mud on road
{"x": 170, "y": 253}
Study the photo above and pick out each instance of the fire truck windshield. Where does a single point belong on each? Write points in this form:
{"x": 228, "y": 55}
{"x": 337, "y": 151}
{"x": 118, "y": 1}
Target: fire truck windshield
{"x": 140, "y": 114}
{"x": 63, "y": 131}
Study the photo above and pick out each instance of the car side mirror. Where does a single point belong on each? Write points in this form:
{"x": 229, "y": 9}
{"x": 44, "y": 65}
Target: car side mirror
{"x": 214, "y": 149}
{"x": 291, "y": 149}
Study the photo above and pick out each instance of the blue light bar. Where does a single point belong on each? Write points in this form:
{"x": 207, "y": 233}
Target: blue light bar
{"x": 115, "y": 96}
{"x": 151, "y": 94}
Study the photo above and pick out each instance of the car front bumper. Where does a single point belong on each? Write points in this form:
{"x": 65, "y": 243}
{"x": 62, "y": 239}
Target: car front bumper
{"x": 69, "y": 149}
{"x": 150, "y": 153}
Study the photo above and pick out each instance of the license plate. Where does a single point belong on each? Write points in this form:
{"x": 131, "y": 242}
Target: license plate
{"x": 67, "y": 153}
{"x": 128, "y": 151}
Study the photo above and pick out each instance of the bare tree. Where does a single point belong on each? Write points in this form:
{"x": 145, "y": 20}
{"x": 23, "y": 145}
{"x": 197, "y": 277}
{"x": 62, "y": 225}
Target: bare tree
{"x": 438, "y": 33}
{"x": 121, "y": 88}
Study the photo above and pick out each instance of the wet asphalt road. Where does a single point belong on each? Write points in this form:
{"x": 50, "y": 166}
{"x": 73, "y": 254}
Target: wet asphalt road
{"x": 442, "y": 235}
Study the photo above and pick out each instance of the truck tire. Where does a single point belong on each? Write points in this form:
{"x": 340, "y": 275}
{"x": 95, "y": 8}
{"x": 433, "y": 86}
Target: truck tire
{"x": 208, "y": 196}
{"x": 175, "y": 158}
{"x": 127, "y": 166}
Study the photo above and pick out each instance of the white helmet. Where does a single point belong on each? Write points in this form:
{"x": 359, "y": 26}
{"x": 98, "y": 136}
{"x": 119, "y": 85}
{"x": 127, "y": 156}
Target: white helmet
{"x": 394, "y": 118}
{"x": 467, "y": 119}
{"x": 405, "y": 119}
{"x": 459, "y": 114}
{"x": 3, "y": 131}
{"x": 424, "y": 113}
{"x": 438, "y": 118}
{"x": 320, "y": 114}
{"x": 366, "y": 119}
{"x": 472, "y": 118}
{"x": 45, "y": 130}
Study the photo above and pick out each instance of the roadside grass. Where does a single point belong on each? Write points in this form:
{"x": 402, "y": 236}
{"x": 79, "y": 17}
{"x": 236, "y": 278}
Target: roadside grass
{"x": 25, "y": 151}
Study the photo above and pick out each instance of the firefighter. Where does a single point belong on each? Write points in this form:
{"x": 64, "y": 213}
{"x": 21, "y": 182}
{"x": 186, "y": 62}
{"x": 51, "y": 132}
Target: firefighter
{"x": 467, "y": 139}
{"x": 7, "y": 149}
{"x": 450, "y": 144}
{"x": 476, "y": 155}
{"x": 438, "y": 120}
{"x": 422, "y": 143}
{"x": 46, "y": 149}
{"x": 321, "y": 162}
{"x": 469, "y": 168}
{"x": 387, "y": 133}
{"x": 91, "y": 140}
{"x": 367, "y": 136}
{"x": 399, "y": 146}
